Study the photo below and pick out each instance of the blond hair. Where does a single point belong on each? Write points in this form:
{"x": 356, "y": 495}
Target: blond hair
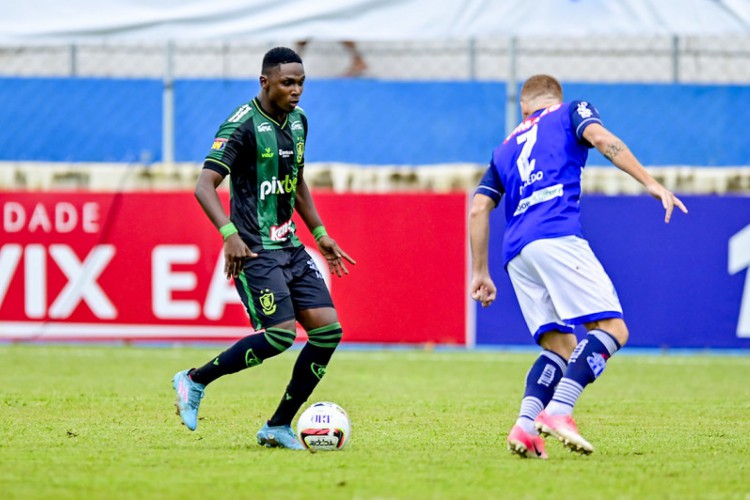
{"x": 541, "y": 86}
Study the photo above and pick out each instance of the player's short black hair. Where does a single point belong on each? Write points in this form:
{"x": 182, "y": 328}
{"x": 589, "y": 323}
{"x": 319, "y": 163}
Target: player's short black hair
{"x": 279, "y": 55}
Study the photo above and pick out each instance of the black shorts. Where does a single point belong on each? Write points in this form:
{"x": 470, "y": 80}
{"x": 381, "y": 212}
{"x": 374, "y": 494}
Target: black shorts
{"x": 278, "y": 283}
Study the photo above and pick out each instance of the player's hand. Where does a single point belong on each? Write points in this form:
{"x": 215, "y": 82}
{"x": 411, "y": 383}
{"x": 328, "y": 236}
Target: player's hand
{"x": 334, "y": 255}
{"x": 668, "y": 199}
{"x": 483, "y": 290}
{"x": 235, "y": 254}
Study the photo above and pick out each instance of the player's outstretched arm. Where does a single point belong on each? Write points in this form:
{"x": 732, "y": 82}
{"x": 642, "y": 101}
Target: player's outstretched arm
{"x": 620, "y": 155}
{"x": 482, "y": 287}
{"x": 235, "y": 250}
{"x": 334, "y": 255}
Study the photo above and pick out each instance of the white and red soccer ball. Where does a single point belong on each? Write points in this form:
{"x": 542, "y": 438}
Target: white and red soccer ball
{"x": 324, "y": 426}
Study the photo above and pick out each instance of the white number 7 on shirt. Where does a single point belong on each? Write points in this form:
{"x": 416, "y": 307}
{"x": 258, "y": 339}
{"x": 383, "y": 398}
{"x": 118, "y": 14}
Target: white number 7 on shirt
{"x": 525, "y": 167}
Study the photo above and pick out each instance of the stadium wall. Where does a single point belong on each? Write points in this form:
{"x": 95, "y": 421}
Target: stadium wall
{"x": 148, "y": 266}
{"x": 357, "y": 121}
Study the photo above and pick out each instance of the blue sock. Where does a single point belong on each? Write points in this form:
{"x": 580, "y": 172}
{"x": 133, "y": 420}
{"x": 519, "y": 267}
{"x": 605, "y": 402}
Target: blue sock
{"x": 588, "y": 361}
{"x": 541, "y": 380}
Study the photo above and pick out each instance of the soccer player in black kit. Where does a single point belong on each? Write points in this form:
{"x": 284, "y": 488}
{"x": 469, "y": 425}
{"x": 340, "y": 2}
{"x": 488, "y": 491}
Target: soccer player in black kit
{"x": 261, "y": 146}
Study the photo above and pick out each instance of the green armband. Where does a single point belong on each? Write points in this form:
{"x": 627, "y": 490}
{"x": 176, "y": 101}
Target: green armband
{"x": 319, "y": 232}
{"x": 228, "y": 230}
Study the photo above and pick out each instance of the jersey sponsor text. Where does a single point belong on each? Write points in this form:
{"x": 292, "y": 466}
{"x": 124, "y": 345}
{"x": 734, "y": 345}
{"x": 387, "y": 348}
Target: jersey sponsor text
{"x": 546, "y": 194}
{"x": 280, "y": 232}
{"x": 277, "y": 186}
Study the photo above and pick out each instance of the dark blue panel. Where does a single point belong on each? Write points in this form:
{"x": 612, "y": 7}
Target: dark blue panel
{"x": 672, "y": 278}
{"x": 87, "y": 120}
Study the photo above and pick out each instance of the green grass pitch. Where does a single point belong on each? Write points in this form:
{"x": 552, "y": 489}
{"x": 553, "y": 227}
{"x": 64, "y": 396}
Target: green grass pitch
{"x": 98, "y": 422}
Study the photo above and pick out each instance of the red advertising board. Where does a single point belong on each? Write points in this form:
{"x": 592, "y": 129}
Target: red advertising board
{"x": 149, "y": 266}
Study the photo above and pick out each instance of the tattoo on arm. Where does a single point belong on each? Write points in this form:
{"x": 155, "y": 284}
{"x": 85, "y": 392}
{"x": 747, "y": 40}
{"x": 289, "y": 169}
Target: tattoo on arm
{"x": 612, "y": 150}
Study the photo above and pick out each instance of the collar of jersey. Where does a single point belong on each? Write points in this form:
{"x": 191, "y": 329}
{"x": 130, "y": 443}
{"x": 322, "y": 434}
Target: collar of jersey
{"x": 256, "y": 102}
{"x": 537, "y": 112}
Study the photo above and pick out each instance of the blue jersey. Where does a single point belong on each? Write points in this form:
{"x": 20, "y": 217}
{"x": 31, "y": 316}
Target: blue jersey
{"x": 538, "y": 168}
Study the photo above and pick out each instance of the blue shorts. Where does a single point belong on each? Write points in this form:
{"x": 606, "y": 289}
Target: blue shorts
{"x": 278, "y": 283}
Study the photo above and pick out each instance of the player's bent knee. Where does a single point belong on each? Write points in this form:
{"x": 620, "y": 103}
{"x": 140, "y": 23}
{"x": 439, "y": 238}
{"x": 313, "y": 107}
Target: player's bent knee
{"x": 328, "y": 336}
{"x": 311, "y": 319}
{"x": 281, "y": 338}
{"x": 613, "y": 326}
{"x": 560, "y": 343}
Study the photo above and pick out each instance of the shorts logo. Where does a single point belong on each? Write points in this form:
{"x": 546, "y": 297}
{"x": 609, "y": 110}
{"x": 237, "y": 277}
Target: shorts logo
{"x": 300, "y": 151}
{"x": 267, "y": 302}
{"x": 311, "y": 265}
{"x": 265, "y": 127}
{"x": 218, "y": 144}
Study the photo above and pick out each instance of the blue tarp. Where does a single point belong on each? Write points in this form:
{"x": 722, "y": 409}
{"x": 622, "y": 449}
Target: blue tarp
{"x": 358, "y": 121}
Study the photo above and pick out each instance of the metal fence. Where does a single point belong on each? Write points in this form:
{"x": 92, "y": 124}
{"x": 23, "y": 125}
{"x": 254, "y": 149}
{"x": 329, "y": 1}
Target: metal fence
{"x": 642, "y": 59}
{"x": 659, "y": 60}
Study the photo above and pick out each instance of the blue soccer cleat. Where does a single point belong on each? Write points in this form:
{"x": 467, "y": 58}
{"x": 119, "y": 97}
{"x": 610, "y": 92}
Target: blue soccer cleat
{"x": 189, "y": 395}
{"x": 281, "y": 436}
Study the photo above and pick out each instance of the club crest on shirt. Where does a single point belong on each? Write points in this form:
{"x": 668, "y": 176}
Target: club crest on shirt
{"x": 300, "y": 151}
{"x": 583, "y": 110}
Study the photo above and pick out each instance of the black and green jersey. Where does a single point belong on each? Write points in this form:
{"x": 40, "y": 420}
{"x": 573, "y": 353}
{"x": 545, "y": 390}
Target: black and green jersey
{"x": 262, "y": 158}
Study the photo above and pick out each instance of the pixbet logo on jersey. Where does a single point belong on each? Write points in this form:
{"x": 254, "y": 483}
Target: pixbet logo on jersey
{"x": 277, "y": 186}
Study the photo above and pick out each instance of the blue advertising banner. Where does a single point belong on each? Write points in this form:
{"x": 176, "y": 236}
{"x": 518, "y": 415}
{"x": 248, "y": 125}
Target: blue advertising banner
{"x": 682, "y": 285}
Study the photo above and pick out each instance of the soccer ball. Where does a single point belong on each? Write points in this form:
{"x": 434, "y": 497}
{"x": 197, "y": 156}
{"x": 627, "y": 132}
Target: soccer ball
{"x": 324, "y": 426}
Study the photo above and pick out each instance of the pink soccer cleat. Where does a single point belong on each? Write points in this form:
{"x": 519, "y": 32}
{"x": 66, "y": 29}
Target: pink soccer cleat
{"x": 564, "y": 428}
{"x": 526, "y": 445}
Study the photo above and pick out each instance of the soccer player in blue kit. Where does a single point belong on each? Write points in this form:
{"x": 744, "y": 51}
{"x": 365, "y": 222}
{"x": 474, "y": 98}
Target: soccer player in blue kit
{"x": 556, "y": 277}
